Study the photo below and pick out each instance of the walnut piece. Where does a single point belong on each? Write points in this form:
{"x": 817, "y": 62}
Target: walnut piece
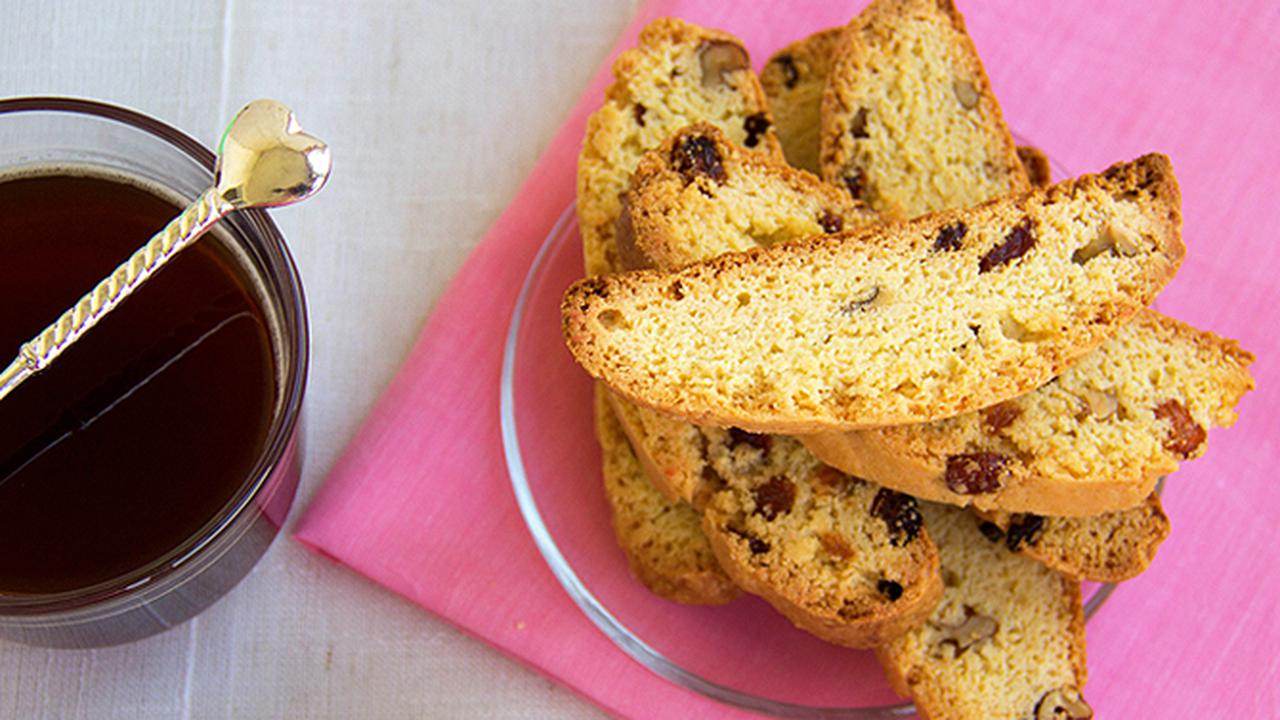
{"x": 718, "y": 58}
{"x": 966, "y": 93}
{"x": 861, "y": 303}
{"x": 973, "y": 630}
{"x": 1064, "y": 703}
{"x": 1102, "y": 405}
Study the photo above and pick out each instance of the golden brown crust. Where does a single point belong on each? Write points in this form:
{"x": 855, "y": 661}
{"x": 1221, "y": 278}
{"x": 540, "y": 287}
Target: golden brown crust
{"x": 658, "y": 88}
{"x": 909, "y": 121}
{"x": 676, "y": 216}
{"x": 660, "y": 339}
{"x": 1090, "y": 442}
{"x": 663, "y": 541}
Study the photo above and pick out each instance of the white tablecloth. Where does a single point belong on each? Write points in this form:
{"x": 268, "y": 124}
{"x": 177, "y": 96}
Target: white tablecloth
{"x": 436, "y": 110}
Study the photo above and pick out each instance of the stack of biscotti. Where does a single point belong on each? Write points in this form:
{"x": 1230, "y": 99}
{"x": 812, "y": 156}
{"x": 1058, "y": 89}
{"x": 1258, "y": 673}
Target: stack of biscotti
{"x": 992, "y": 355}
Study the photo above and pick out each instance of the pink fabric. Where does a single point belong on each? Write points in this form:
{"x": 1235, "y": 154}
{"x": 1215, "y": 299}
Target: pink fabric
{"x": 421, "y": 503}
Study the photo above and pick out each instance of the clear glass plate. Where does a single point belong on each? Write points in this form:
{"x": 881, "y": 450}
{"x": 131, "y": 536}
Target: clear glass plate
{"x": 729, "y": 653}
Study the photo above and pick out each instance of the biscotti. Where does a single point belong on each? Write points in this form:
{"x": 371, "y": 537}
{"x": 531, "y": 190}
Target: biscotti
{"x": 842, "y": 559}
{"x": 1093, "y": 440}
{"x": 909, "y": 122}
{"x": 699, "y": 196}
{"x": 1110, "y": 547}
{"x": 663, "y": 541}
{"x": 1005, "y": 643}
{"x": 678, "y": 74}
{"x": 897, "y": 323}
{"x": 793, "y": 81}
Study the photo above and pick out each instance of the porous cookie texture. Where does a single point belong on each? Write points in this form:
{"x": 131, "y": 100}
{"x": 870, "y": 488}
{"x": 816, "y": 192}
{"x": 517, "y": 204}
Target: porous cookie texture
{"x": 839, "y": 557}
{"x": 1005, "y": 642}
{"x": 699, "y": 195}
{"x": 1093, "y": 440}
{"x": 842, "y": 559}
{"x": 678, "y": 74}
{"x": 663, "y": 540}
{"x": 897, "y": 323}
{"x": 793, "y": 81}
{"x": 1110, "y": 547}
{"x": 909, "y": 122}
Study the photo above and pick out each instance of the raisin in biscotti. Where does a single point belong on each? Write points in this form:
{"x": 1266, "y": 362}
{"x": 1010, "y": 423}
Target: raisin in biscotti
{"x": 698, "y": 196}
{"x": 1110, "y": 547}
{"x": 793, "y": 81}
{"x": 663, "y": 541}
{"x": 842, "y": 559}
{"x": 909, "y": 122}
{"x": 1093, "y": 440}
{"x": 1005, "y": 643}
{"x": 896, "y": 323}
{"x": 678, "y": 74}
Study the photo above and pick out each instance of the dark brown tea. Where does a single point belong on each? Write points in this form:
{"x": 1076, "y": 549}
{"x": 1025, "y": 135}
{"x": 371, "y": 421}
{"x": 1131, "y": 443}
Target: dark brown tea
{"x": 130, "y": 443}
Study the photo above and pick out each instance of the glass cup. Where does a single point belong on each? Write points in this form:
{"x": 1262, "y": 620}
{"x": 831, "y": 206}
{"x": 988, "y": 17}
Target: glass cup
{"x": 191, "y": 576}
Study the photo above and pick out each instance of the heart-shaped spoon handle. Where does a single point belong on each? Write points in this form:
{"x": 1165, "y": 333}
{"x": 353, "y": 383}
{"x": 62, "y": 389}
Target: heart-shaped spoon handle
{"x": 264, "y": 160}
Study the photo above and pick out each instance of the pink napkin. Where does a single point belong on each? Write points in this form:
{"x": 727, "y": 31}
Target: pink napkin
{"x": 421, "y": 501}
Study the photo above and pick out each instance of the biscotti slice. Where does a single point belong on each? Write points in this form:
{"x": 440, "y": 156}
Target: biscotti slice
{"x": 678, "y": 74}
{"x": 699, "y": 195}
{"x": 1094, "y": 440}
{"x": 1005, "y": 643}
{"x": 793, "y": 81}
{"x": 1110, "y": 547}
{"x": 896, "y": 323}
{"x": 909, "y": 122}
{"x": 842, "y": 559}
{"x": 663, "y": 541}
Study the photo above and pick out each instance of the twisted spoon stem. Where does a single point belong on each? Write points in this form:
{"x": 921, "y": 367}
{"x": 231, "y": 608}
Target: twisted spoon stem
{"x": 36, "y": 354}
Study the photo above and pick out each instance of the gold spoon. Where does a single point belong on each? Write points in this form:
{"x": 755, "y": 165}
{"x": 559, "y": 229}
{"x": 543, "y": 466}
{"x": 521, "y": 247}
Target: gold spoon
{"x": 264, "y": 160}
